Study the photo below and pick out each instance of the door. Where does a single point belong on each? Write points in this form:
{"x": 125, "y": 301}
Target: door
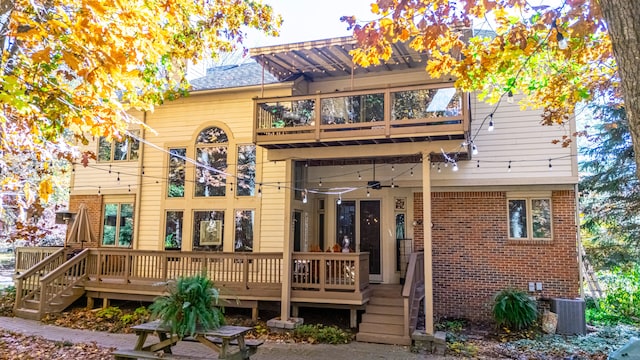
{"x": 297, "y": 231}
{"x": 359, "y": 221}
{"x": 370, "y": 236}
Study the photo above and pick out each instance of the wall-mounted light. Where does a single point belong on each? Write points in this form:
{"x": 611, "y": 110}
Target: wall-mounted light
{"x": 417, "y": 222}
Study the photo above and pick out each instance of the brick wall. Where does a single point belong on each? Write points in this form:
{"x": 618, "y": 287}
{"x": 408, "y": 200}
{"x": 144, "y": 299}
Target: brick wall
{"x": 94, "y": 208}
{"x": 473, "y": 258}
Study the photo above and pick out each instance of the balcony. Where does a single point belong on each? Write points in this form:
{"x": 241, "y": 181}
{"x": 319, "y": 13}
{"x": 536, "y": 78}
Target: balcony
{"x": 391, "y": 115}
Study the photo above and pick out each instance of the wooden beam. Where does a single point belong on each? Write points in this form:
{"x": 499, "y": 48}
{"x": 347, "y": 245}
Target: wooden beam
{"x": 354, "y": 151}
{"x": 428, "y": 262}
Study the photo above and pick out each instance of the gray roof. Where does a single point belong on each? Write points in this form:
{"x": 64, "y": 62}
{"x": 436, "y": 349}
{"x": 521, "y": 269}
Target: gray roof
{"x": 231, "y": 76}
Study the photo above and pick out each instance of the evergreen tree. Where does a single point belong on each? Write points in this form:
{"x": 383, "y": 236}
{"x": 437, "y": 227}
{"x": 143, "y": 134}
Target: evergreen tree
{"x": 610, "y": 191}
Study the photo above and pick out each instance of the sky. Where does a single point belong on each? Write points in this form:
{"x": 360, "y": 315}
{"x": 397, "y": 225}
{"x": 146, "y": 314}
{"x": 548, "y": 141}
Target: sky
{"x": 306, "y": 20}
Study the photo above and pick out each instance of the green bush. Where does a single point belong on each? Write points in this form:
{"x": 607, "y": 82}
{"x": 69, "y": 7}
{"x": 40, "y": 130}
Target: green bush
{"x": 191, "y": 302}
{"x": 621, "y": 304}
{"x": 514, "y": 309}
{"x": 322, "y": 334}
{"x": 111, "y": 312}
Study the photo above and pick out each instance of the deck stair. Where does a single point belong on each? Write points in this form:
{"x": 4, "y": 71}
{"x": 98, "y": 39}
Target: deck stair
{"x": 51, "y": 285}
{"x": 384, "y": 319}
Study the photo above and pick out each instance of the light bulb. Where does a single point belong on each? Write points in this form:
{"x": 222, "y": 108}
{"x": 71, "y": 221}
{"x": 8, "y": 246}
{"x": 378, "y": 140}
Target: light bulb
{"x": 509, "y": 167}
{"x": 368, "y": 193}
{"x": 474, "y": 149}
{"x": 455, "y": 167}
{"x": 304, "y": 197}
{"x": 510, "y": 97}
{"x": 320, "y": 182}
{"x": 550, "y": 166}
{"x": 490, "y": 128}
{"x": 563, "y": 44}
{"x": 339, "y": 201}
{"x": 359, "y": 176}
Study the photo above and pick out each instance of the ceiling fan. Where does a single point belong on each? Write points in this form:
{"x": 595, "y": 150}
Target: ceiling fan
{"x": 375, "y": 184}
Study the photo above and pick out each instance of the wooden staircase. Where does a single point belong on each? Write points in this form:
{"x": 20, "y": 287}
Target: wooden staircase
{"x": 51, "y": 285}
{"x": 384, "y": 319}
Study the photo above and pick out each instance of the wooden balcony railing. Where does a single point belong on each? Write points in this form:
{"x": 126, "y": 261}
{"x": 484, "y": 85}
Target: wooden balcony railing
{"x": 330, "y": 271}
{"x": 434, "y": 110}
{"x": 329, "y": 277}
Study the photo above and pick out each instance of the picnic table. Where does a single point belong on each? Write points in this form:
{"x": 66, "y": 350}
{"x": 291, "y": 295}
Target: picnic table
{"x": 222, "y": 340}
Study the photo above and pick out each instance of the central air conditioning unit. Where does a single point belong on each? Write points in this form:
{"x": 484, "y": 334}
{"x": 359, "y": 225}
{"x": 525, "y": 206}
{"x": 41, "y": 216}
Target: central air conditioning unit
{"x": 571, "y": 317}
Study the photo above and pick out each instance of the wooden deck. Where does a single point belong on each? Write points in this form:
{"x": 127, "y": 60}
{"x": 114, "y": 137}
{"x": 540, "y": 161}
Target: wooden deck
{"x": 323, "y": 278}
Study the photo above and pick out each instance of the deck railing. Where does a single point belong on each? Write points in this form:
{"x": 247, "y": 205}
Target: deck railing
{"x": 28, "y": 281}
{"x": 330, "y": 271}
{"x": 27, "y": 257}
{"x": 338, "y": 276}
{"x": 413, "y": 291}
{"x": 427, "y": 110}
{"x": 70, "y": 274}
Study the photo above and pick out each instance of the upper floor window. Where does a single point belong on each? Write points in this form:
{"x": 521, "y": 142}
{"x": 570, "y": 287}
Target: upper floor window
{"x": 211, "y": 151}
{"x": 246, "y": 176}
{"x": 126, "y": 149}
{"x": 530, "y": 218}
{"x": 177, "y": 166}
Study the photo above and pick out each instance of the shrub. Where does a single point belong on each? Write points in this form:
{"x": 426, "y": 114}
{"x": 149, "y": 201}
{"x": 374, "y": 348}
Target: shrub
{"x": 191, "y": 302}
{"x": 621, "y": 304}
{"x": 322, "y": 334}
{"x": 514, "y": 309}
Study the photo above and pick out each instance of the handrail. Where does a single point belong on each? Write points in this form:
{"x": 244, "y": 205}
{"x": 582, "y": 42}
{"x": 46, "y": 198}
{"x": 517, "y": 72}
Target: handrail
{"x": 413, "y": 281}
{"x": 65, "y": 277}
{"x": 28, "y": 282}
{"x": 27, "y": 257}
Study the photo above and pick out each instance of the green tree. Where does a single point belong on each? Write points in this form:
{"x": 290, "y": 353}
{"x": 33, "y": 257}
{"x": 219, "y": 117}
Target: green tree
{"x": 610, "y": 190}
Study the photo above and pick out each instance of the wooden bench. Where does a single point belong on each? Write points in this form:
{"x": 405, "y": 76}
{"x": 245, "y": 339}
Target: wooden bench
{"x": 140, "y": 354}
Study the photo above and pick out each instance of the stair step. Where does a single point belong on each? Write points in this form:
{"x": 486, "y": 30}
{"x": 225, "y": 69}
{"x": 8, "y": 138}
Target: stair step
{"x": 385, "y": 329}
{"x": 30, "y": 314}
{"x": 383, "y": 319}
{"x": 388, "y": 310}
{"x": 383, "y": 339}
{"x": 387, "y": 301}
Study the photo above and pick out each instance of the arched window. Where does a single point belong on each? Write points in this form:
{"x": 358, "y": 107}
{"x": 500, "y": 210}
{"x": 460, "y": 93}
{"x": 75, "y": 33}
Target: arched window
{"x": 211, "y": 150}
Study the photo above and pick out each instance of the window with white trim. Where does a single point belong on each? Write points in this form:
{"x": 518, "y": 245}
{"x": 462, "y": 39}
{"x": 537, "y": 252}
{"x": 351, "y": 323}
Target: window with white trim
{"x": 529, "y": 218}
{"x": 117, "y": 225}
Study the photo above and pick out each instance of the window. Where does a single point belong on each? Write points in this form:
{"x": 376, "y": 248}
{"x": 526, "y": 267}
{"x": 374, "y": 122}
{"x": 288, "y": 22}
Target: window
{"x": 126, "y": 149}
{"x": 246, "y": 170}
{"x": 177, "y": 166}
{"x": 211, "y": 151}
{"x": 208, "y": 230}
{"x": 173, "y": 230}
{"x": 244, "y": 230}
{"x": 530, "y": 218}
{"x": 117, "y": 229}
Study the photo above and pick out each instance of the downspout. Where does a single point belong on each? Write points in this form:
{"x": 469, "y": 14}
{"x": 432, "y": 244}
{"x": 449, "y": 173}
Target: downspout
{"x": 579, "y": 240}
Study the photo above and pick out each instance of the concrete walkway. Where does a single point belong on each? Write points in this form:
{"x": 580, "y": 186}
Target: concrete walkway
{"x": 268, "y": 351}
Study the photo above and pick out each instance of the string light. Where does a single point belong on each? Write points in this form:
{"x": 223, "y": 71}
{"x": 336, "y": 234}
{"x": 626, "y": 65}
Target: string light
{"x": 474, "y": 149}
{"x": 393, "y": 168}
{"x": 320, "y": 182}
{"x": 99, "y": 190}
{"x": 550, "y": 166}
{"x": 368, "y": 193}
{"x": 478, "y": 164}
{"x": 304, "y": 196}
{"x": 455, "y": 167}
{"x": 339, "y": 199}
{"x": 411, "y": 173}
{"x": 439, "y": 171}
{"x": 278, "y": 185}
{"x": 509, "y": 166}
{"x": 563, "y": 44}
{"x": 510, "y": 97}
{"x": 490, "y": 128}
{"x": 109, "y": 168}
{"x": 359, "y": 176}
{"x": 260, "y": 190}
{"x": 118, "y": 179}
{"x": 231, "y": 187}
{"x": 129, "y": 188}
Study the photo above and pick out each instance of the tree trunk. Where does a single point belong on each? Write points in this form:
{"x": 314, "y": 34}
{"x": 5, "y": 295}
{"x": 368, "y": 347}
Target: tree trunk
{"x": 624, "y": 28}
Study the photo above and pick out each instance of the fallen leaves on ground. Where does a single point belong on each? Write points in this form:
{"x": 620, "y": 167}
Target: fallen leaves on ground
{"x": 25, "y": 347}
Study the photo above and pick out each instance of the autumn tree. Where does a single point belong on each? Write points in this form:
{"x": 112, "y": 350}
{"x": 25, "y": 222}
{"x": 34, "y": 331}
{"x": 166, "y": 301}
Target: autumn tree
{"x": 557, "y": 56}
{"x": 71, "y": 69}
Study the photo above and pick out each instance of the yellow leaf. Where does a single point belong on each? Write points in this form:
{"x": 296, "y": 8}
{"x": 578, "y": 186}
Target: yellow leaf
{"x": 45, "y": 189}
{"x": 374, "y": 8}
